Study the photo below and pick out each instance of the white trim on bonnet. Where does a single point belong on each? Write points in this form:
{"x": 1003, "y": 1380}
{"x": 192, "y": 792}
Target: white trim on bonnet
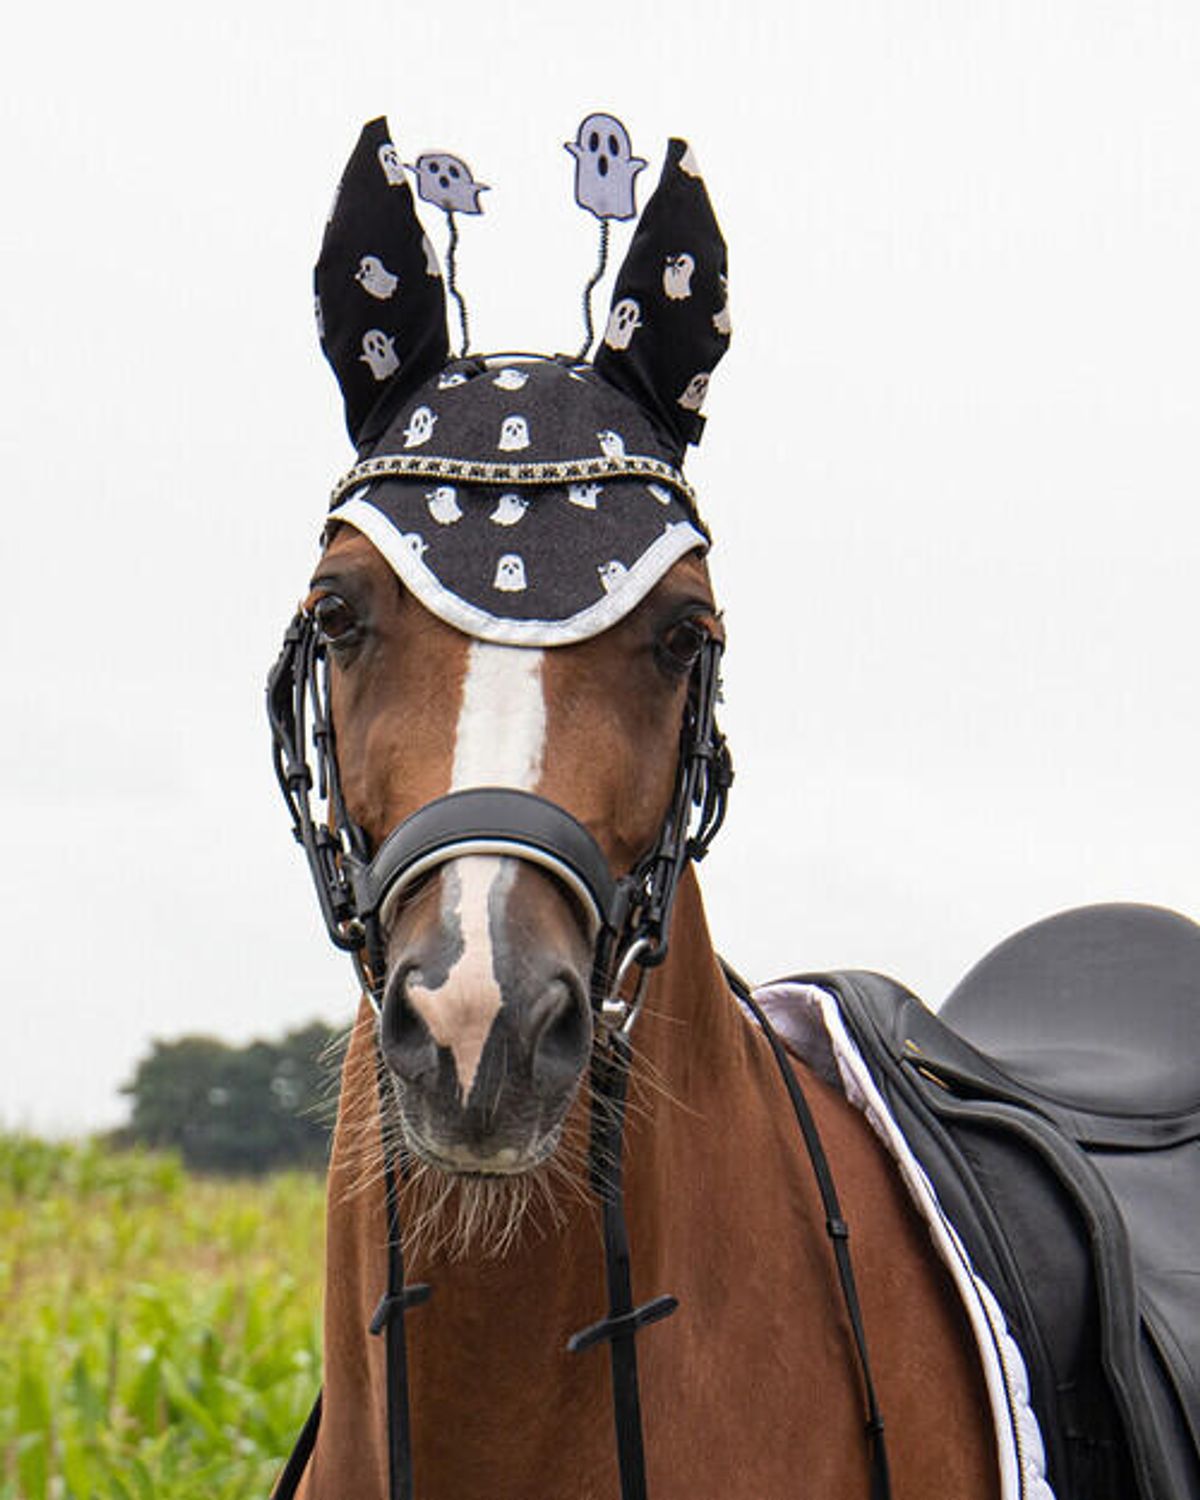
{"x": 1018, "y": 1437}
{"x": 673, "y": 544}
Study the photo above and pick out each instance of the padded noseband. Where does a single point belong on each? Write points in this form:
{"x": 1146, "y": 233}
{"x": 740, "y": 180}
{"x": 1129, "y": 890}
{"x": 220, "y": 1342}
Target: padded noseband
{"x": 488, "y": 820}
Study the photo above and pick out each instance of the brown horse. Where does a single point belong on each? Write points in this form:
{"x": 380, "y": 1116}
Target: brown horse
{"x": 752, "y": 1388}
{"x": 466, "y": 1102}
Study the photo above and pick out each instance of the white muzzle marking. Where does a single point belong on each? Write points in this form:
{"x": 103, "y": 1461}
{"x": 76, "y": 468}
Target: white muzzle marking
{"x": 500, "y": 741}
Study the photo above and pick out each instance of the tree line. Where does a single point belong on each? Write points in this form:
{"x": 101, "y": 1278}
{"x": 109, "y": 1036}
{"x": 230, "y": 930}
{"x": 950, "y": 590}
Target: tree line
{"x": 238, "y": 1110}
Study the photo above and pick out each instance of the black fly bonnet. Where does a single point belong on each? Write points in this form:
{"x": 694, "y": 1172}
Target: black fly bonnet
{"x": 524, "y": 500}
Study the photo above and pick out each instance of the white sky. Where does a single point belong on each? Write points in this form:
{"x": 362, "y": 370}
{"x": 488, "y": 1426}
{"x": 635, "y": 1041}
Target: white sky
{"x": 952, "y": 465}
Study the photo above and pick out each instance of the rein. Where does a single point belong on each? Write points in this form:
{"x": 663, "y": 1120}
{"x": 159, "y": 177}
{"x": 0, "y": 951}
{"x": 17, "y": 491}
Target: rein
{"x": 631, "y": 915}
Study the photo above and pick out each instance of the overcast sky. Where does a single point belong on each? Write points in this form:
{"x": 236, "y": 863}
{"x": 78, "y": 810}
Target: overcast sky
{"x": 952, "y": 465}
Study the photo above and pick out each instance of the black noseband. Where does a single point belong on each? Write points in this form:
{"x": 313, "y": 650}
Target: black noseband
{"x": 488, "y": 820}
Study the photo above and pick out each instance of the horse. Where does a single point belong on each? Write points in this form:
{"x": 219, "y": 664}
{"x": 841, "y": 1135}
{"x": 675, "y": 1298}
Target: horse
{"x": 563, "y": 1125}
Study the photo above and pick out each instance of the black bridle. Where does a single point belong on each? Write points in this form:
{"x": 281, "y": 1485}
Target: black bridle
{"x": 354, "y": 883}
{"x": 630, "y": 918}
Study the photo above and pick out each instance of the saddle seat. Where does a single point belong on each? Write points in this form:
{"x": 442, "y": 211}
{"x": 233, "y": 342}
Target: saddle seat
{"x": 1054, "y": 1103}
{"x": 1092, "y": 1011}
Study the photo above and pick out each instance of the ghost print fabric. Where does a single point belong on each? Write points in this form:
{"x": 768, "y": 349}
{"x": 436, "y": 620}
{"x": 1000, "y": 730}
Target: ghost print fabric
{"x": 524, "y": 563}
{"x": 380, "y": 303}
{"x": 669, "y": 323}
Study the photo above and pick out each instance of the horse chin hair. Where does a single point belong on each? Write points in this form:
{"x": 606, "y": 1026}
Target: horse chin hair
{"x": 460, "y": 1216}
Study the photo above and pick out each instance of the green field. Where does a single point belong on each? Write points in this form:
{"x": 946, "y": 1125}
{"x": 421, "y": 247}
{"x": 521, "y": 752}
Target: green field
{"x": 159, "y": 1333}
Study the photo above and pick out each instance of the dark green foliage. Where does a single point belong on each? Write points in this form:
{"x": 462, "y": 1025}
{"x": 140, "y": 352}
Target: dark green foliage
{"x": 237, "y": 1110}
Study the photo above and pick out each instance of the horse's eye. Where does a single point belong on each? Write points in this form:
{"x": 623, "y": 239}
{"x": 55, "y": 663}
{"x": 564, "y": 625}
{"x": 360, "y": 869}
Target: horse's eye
{"x": 680, "y": 646}
{"x": 337, "y": 624}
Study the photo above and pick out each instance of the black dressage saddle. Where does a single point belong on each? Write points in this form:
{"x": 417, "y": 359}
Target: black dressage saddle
{"x": 1054, "y": 1102}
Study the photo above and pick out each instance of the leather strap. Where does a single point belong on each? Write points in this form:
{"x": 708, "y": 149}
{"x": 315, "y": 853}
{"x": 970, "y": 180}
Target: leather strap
{"x": 610, "y": 1076}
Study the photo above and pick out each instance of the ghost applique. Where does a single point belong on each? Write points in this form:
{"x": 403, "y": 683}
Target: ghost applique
{"x": 393, "y": 167}
{"x": 611, "y": 573}
{"x": 584, "y": 495}
{"x": 420, "y": 427}
{"x": 623, "y": 322}
{"x": 605, "y": 168}
{"x": 677, "y": 276}
{"x": 509, "y": 379}
{"x": 720, "y": 321}
{"x": 443, "y": 505}
{"x": 447, "y": 183}
{"x": 510, "y": 574}
{"x": 612, "y": 444}
{"x": 695, "y": 391}
{"x": 375, "y": 278}
{"x": 509, "y": 509}
{"x": 688, "y": 164}
{"x": 379, "y": 353}
{"x": 514, "y": 435}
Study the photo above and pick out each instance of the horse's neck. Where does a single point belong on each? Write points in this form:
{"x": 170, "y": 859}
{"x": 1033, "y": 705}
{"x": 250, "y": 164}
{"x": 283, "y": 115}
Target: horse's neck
{"x": 489, "y": 1317}
{"x": 723, "y": 1213}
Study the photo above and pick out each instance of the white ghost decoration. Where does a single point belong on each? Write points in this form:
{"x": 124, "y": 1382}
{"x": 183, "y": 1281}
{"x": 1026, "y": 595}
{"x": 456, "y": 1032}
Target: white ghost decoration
{"x": 514, "y": 434}
{"x": 431, "y": 261}
{"x": 688, "y": 164}
{"x": 374, "y": 277}
{"x": 446, "y": 182}
{"x": 443, "y": 504}
{"x": 414, "y": 544}
{"x": 509, "y": 509}
{"x": 721, "y": 317}
{"x": 697, "y": 388}
{"x": 584, "y": 495}
{"x": 612, "y": 444}
{"x": 420, "y": 427}
{"x": 623, "y": 322}
{"x": 605, "y": 168}
{"x": 611, "y": 573}
{"x": 677, "y": 276}
{"x": 661, "y": 493}
{"x": 447, "y": 382}
{"x": 393, "y": 167}
{"x": 378, "y": 352}
{"x": 510, "y": 379}
{"x": 510, "y": 574}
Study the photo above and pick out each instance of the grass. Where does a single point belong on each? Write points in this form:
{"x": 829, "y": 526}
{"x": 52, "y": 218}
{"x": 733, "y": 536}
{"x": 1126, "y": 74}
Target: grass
{"x": 159, "y": 1333}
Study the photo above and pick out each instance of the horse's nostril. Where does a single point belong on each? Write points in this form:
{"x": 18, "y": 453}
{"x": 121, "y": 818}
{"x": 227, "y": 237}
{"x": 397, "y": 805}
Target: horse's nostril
{"x": 563, "y": 1036}
{"x": 408, "y": 1047}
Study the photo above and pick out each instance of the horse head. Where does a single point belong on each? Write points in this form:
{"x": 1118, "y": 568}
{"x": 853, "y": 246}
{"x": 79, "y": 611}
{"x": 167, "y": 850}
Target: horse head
{"x": 505, "y": 668}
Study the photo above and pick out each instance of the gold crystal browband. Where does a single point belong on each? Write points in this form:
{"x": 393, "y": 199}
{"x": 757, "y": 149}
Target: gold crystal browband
{"x": 473, "y": 471}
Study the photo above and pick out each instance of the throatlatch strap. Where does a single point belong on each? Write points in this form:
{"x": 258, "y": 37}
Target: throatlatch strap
{"x": 838, "y": 1231}
{"x": 620, "y": 1328}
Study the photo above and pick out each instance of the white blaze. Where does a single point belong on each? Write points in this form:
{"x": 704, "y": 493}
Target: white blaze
{"x": 500, "y": 741}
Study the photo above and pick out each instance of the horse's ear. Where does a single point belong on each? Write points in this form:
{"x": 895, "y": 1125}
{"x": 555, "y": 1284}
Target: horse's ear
{"x": 381, "y": 307}
{"x": 669, "y": 323}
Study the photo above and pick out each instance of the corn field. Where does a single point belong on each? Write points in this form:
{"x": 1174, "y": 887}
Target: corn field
{"x": 159, "y": 1333}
